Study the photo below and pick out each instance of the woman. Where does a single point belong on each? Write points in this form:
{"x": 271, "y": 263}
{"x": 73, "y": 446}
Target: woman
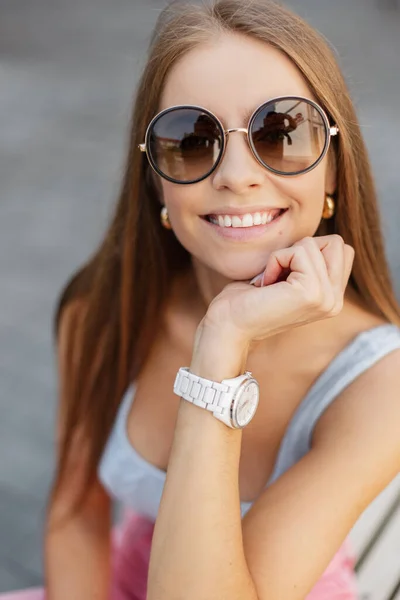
{"x": 231, "y": 251}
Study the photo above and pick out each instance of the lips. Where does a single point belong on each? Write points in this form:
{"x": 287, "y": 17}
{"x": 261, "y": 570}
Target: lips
{"x": 243, "y": 233}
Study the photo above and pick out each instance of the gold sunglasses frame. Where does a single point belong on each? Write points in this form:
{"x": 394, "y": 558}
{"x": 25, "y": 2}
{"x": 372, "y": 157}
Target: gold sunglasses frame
{"x": 330, "y": 130}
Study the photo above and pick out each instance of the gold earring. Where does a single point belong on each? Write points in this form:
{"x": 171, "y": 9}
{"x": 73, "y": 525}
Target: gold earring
{"x": 165, "y": 218}
{"x": 329, "y": 208}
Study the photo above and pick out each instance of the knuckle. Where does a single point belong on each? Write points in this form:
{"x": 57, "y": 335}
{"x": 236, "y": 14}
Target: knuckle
{"x": 337, "y": 238}
{"x": 337, "y": 308}
{"x": 305, "y": 241}
{"x": 312, "y": 296}
{"x": 301, "y": 251}
{"x": 330, "y": 304}
{"x": 320, "y": 300}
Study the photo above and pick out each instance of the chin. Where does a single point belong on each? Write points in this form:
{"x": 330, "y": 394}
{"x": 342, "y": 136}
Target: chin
{"x": 241, "y": 269}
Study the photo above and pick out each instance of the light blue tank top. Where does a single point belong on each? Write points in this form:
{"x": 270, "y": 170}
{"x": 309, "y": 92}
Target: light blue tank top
{"x": 137, "y": 484}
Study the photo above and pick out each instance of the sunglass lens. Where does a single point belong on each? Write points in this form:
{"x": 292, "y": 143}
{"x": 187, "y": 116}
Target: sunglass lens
{"x": 289, "y": 135}
{"x": 185, "y": 144}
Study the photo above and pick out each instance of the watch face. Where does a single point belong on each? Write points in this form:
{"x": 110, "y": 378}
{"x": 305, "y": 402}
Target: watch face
{"x": 246, "y": 403}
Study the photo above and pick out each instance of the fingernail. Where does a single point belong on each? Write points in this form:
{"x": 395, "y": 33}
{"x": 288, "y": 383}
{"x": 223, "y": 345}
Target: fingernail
{"x": 256, "y": 278}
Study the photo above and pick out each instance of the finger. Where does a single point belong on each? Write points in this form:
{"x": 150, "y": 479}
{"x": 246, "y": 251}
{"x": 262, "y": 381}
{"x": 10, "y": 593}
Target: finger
{"x": 272, "y": 273}
{"x": 348, "y": 264}
{"x": 257, "y": 280}
{"x": 281, "y": 262}
{"x": 273, "y": 270}
{"x": 330, "y": 257}
{"x": 317, "y": 259}
{"x": 291, "y": 260}
{"x": 332, "y": 251}
{"x": 327, "y": 245}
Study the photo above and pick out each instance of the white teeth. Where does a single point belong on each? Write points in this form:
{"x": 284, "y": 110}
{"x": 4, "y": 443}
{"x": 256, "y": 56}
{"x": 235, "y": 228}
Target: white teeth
{"x": 247, "y": 220}
{"x": 257, "y": 219}
{"x": 236, "y": 221}
{"x": 227, "y": 221}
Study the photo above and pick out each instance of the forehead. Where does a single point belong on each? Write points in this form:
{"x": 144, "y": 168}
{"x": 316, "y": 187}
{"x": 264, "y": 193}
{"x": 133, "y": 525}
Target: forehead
{"x": 231, "y": 76}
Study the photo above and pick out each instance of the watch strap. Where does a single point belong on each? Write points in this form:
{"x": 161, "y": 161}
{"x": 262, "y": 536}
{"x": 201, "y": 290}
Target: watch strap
{"x": 211, "y": 395}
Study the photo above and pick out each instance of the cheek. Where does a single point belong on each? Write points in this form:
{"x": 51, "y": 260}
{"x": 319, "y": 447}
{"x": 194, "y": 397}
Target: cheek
{"x": 306, "y": 192}
{"x": 184, "y": 202}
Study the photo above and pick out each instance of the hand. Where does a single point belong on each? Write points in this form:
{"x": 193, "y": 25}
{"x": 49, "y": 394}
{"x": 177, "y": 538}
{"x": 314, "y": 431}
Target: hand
{"x": 300, "y": 284}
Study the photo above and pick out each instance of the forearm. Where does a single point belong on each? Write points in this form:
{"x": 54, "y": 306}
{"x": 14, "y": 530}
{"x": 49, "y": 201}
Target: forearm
{"x": 77, "y": 563}
{"x": 197, "y": 549}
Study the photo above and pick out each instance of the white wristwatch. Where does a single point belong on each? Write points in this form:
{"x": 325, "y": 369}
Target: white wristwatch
{"x": 233, "y": 401}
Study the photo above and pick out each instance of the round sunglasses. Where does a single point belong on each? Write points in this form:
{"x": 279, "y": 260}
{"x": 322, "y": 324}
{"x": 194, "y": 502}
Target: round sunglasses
{"x": 288, "y": 135}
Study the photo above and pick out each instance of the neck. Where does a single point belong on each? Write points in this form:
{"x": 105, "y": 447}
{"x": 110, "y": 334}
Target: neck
{"x": 209, "y": 283}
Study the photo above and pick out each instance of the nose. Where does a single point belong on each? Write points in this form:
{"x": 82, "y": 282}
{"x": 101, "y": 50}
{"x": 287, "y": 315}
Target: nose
{"x": 238, "y": 170}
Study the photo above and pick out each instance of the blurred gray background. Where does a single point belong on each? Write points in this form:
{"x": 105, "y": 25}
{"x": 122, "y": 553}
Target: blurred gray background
{"x": 68, "y": 72}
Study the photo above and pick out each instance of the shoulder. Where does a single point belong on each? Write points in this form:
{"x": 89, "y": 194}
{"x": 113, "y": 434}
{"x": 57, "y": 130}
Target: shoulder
{"x": 312, "y": 507}
{"x": 363, "y": 420}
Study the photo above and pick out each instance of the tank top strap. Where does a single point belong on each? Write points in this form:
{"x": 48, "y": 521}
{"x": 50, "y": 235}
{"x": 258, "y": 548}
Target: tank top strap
{"x": 124, "y": 407}
{"x": 360, "y": 354}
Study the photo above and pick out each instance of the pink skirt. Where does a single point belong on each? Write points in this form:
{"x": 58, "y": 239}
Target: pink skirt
{"x": 131, "y": 553}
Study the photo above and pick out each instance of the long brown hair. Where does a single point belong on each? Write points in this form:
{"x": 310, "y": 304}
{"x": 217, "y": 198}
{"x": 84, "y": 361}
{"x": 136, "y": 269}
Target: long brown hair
{"x": 124, "y": 285}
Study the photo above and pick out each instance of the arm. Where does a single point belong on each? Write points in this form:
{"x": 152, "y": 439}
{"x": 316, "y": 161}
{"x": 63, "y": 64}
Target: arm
{"x": 202, "y": 549}
{"x": 197, "y": 548}
{"x": 76, "y": 550}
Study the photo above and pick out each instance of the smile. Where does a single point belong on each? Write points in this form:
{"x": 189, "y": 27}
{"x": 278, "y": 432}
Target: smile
{"x": 247, "y": 220}
{"x": 244, "y": 228}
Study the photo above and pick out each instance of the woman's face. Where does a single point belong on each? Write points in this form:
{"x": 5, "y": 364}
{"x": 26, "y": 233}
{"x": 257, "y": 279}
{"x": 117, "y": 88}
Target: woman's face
{"x": 232, "y": 77}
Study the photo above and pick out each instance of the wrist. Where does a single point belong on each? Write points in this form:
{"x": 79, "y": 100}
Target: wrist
{"x": 218, "y": 353}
